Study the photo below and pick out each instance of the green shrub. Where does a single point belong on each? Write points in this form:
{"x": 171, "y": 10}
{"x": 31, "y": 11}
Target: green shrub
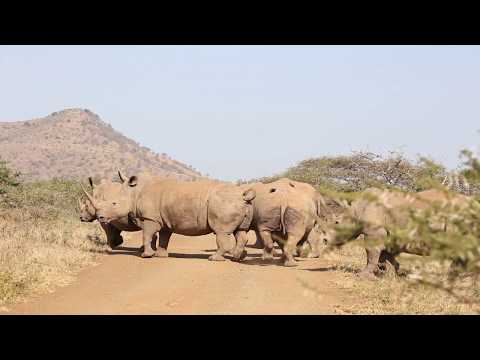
{"x": 8, "y": 178}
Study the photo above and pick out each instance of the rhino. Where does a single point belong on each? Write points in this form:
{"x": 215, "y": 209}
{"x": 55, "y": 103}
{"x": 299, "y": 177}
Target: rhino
{"x": 377, "y": 212}
{"x": 163, "y": 207}
{"x": 109, "y": 189}
{"x": 284, "y": 211}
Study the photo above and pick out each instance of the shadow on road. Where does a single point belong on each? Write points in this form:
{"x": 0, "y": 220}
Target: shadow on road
{"x": 188, "y": 256}
{"x": 129, "y": 253}
{"x": 251, "y": 259}
{"x": 323, "y": 269}
{"x": 127, "y": 248}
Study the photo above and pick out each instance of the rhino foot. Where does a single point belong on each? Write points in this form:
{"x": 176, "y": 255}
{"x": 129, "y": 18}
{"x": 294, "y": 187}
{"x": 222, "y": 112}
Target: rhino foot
{"x": 367, "y": 275}
{"x": 267, "y": 256}
{"x": 313, "y": 255}
{"x": 161, "y": 253}
{"x": 290, "y": 263}
{"x": 216, "y": 257}
{"x": 239, "y": 257}
{"x": 115, "y": 242}
{"x": 147, "y": 255}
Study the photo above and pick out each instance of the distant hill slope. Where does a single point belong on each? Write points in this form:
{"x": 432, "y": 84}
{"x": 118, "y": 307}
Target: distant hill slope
{"x": 76, "y": 143}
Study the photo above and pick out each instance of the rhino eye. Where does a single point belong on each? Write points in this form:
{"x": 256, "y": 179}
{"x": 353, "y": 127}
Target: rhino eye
{"x": 114, "y": 203}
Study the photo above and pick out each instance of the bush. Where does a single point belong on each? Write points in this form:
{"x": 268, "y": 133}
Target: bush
{"x": 8, "y": 178}
{"x": 42, "y": 241}
{"x": 453, "y": 261}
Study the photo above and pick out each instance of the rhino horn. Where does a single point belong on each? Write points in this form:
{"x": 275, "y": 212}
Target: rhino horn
{"x": 90, "y": 197}
{"x": 121, "y": 176}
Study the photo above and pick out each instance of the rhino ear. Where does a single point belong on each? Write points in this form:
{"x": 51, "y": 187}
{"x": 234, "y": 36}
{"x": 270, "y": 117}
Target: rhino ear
{"x": 120, "y": 175}
{"x": 249, "y": 195}
{"x": 132, "y": 181}
{"x": 90, "y": 180}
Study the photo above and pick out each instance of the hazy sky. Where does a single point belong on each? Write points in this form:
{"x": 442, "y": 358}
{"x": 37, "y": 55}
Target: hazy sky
{"x": 247, "y": 111}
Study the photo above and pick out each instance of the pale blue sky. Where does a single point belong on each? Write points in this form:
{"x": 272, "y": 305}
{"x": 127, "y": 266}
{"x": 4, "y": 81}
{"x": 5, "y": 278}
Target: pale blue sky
{"x": 247, "y": 111}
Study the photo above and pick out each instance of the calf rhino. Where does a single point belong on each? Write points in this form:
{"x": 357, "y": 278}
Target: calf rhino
{"x": 376, "y": 213}
{"x": 285, "y": 211}
{"x": 171, "y": 206}
{"x": 109, "y": 189}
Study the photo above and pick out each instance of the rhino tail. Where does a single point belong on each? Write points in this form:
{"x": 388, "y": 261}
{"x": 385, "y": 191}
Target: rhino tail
{"x": 321, "y": 207}
{"x": 283, "y": 208}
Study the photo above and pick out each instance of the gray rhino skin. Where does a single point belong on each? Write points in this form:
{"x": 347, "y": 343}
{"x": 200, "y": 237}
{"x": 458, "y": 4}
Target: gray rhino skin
{"x": 381, "y": 211}
{"x": 191, "y": 208}
{"x": 109, "y": 189}
{"x": 284, "y": 211}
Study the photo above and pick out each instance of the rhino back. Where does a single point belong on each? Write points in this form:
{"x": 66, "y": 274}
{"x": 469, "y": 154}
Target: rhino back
{"x": 179, "y": 206}
{"x": 227, "y": 208}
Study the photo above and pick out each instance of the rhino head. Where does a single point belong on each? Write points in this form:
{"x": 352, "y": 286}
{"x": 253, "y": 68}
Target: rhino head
{"x": 339, "y": 227}
{"x": 115, "y": 205}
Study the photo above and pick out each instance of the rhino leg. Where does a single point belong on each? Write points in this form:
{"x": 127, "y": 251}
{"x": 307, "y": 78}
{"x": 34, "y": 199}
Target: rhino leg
{"x": 289, "y": 249}
{"x": 150, "y": 229}
{"x": 224, "y": 245}
{"x": 259, "y": 242}
{"x": 163, "y": 240}
{"x": 306, "y": 251}
{"x": 372, "y": 267}
{"x": 385, "y": 257}
{"x": 312, "y": 246}
{"x": 239, "y": 253}
{"x": 114, "y": 238}
{"x": 267, "y": 240}
{"x": 373, "y": 253}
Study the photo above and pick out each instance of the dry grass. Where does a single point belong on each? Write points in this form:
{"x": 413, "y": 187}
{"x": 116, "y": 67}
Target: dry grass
{"x": 42, "y": 241}
{"x": 397, "y": 295}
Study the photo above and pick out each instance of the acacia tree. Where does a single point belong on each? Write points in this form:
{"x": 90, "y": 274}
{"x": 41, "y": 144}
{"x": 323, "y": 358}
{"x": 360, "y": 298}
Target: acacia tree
{"x": 360, "y": 170}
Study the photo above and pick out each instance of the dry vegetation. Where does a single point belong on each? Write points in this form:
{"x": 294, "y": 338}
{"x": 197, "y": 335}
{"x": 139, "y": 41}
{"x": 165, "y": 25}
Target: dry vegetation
{"x": 42, "y": 241}
{"x": 75, "y": 143}
{"x": 43, "y": 244}
{"x": 425, "y": 286}
{"x": 398, "y": 294}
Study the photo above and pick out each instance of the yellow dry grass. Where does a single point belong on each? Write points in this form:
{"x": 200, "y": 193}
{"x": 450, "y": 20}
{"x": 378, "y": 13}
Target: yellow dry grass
{"x": 36, "y": 256}
{"x": 42, "y": 241}
{"x": 397, "y": 294}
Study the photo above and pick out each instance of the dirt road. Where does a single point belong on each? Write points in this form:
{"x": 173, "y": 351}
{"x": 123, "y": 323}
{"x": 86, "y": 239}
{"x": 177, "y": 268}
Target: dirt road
{"x": 187, "y": 283}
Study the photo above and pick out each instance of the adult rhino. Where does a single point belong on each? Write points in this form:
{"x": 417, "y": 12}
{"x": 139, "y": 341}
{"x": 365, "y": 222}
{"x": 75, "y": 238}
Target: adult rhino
{"x": 108, "y": 189}
{"x": 284, "y": 211}
{"x": 377, "y": 212}
{"x": 191, "y": 208}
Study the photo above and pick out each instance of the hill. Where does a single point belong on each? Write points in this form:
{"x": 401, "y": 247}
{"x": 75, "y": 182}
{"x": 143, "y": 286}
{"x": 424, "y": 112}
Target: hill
{"x": 75, "y": 143}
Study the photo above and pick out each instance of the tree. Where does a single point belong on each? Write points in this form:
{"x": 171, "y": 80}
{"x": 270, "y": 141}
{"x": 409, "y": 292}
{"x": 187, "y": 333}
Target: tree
{"x": 360, "y": 170}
